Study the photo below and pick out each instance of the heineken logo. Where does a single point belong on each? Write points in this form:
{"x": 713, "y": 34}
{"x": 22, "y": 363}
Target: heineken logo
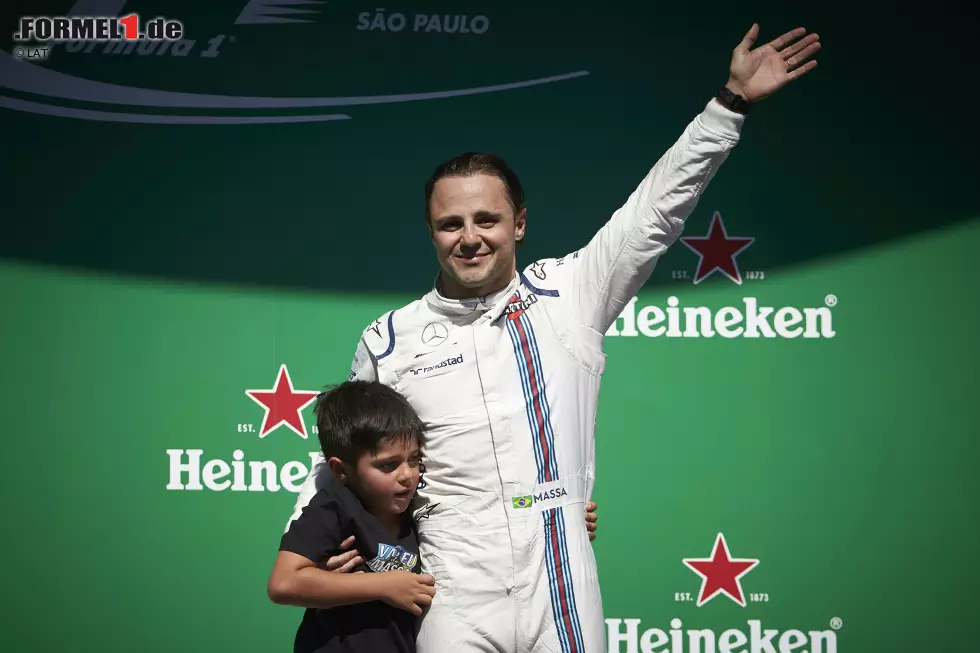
{"x": 623, "y": 635}
{"x": 721, "y": 575}
{"x": 282, "y": 411}
{"x": 750, "y": 320}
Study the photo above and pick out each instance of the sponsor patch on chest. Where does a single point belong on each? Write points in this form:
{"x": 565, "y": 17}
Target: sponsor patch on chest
{"x": 449, "y": 361}
{"x": 517, "y": 305}
{"x": 543, "y": 497}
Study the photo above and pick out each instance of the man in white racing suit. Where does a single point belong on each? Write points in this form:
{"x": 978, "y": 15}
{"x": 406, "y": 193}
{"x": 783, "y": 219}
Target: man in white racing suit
{"x": 504, "y": 368}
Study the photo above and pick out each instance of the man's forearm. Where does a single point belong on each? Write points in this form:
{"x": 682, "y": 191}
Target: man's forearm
{"x": 311, "y": 587}
{"x": 620, "y": 258}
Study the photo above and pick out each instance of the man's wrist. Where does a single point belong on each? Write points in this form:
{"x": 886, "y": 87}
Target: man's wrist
{"x": 733, "y": 86}
{"x": 731, "y": 96}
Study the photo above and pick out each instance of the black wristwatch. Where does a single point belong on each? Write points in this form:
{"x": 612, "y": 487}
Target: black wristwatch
{"x": 730, "y": 100}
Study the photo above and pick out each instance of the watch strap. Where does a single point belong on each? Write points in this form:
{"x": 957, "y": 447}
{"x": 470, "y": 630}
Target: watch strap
{"x": 732, "y": 101}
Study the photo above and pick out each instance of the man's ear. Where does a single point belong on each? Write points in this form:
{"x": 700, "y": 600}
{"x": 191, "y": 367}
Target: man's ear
{"x": 339, "y": 469}
{"x": 520, "y": 223}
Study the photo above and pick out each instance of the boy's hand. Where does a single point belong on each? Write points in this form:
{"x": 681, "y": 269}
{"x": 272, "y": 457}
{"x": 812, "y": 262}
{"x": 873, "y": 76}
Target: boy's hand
{"x": 344, "y": 562}
{"x": 408, "y": 591}
{"x": 591, "y": 518}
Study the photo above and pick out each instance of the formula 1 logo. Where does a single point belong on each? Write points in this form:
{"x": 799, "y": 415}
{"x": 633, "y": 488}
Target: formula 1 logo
{"x": 220, "y": 48}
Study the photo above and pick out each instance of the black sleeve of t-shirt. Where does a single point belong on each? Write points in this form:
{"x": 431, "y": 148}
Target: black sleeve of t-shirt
{"x": 318, "y": 531}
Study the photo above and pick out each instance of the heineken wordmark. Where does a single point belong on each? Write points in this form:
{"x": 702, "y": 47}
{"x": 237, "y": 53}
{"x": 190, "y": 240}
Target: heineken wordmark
{"x": 187, "y": 472}
{"x": 676, "y": 640}
{"x": 749, "y": 321}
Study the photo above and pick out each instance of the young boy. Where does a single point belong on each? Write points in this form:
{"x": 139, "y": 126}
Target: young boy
{"x": 372, "y": 440}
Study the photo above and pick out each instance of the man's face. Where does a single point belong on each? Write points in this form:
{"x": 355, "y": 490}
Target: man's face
{"x": 475, "y": 232}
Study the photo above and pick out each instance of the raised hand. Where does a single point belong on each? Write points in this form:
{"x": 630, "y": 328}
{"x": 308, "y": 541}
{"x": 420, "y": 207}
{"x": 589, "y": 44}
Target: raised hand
{"x": 408, "y": 591}
{"x": 756, "y": 74}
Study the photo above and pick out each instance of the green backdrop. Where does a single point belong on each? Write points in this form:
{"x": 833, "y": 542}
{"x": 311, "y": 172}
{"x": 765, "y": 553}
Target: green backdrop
{"x": 163, "y": 254}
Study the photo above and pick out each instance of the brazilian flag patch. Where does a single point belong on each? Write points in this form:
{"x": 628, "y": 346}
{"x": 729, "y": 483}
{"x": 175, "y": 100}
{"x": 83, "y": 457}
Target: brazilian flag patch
{"x": 523, "y": 502}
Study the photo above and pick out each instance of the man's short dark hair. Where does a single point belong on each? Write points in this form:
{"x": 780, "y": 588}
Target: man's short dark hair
{"x": 358, "y": 417}
{"x": 470, "y": 164}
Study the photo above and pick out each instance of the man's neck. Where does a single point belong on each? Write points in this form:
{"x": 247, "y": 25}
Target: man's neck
{"x": 451, "y": 289}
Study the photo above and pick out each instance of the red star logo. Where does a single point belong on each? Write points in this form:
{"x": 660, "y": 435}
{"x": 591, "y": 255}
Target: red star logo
{"x": 720, "y": 573}
{"x": 283, "y": 405}
{"x": 717, "y": 251}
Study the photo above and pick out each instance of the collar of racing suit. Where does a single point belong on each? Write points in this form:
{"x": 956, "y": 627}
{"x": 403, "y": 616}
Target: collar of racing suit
{"x": 479, "y": 305}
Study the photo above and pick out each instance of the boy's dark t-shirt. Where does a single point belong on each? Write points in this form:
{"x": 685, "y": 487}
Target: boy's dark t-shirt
{"x": 333, "y": 515}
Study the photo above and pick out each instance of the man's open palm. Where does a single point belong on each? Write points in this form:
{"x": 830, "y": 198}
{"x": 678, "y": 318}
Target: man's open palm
{"x": 756, "y": 74}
